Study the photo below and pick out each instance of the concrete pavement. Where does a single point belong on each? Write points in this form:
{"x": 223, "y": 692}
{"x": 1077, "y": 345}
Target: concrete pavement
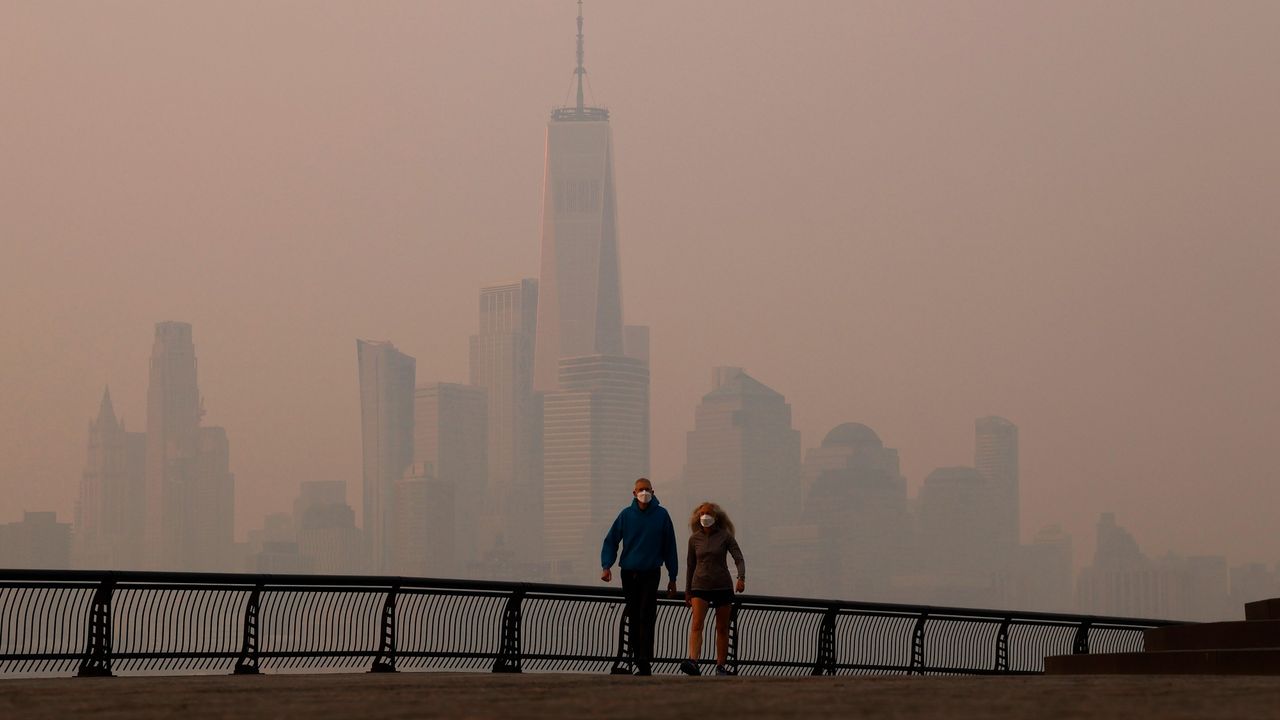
{"x": 416, "y": 695}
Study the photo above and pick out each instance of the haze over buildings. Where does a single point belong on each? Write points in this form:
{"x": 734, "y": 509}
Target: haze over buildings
{"x": 907, "y": 216}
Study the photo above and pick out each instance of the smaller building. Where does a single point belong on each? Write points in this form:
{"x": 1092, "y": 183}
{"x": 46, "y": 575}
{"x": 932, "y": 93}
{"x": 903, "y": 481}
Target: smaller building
{"x": 423, "y": 524}
{"x": 37, "y": 542}
{"x": 1044, "y": 577}
{"x": 450, "y": 436}
{"x": 326, "y": 529}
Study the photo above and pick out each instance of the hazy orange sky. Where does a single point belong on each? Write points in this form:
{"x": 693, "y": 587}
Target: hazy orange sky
{"x": 904, "y": 214}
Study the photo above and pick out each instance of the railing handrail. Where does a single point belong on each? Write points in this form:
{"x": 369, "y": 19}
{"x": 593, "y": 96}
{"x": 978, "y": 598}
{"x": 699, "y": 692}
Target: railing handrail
{"x": 271, "y": 581}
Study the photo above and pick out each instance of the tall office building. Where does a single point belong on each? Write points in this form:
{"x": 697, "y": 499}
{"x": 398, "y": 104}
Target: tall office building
{"x": 189, "y": 486}
{"x": 580, "y": 308}
{"x": 744, "y": 454}
{"x": 595, "y": 445}
{"x": 502, "y": 364}
{"x": 386, "y": 436}
{"x": 594, "y": 373}
{"x": 173, "y": 418}
{"x": 109, "y": 512}
{"x": 449, "y": 443}
{"x": 995, "y": 456}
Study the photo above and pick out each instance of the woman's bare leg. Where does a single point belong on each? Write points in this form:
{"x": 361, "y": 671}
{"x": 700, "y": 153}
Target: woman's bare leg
{"x": 695, "y": 628}
{"x": 723, "y": 614}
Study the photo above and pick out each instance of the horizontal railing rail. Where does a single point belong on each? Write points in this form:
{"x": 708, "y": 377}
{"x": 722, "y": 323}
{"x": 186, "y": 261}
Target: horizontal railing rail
{"x": 123, "y": 622}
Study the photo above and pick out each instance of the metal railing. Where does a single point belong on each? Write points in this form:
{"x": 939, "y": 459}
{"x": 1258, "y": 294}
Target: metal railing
{"x": 104, "y": 623}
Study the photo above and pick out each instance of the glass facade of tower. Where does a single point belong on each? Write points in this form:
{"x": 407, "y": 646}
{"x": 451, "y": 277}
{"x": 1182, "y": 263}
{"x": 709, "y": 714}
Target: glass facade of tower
{"x": 502, "y": 364}
{"x": 595, "y": 445}
{"x": 580, "y": 306}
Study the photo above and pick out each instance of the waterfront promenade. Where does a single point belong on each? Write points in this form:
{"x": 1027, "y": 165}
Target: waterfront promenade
{"x": 564, "y": 696}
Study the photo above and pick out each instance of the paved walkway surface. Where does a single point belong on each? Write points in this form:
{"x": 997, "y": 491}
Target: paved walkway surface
{"x": 601, "y": 696}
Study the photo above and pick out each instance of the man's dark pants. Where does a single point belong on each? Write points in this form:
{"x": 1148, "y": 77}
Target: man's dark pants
{"x": 640, "y": 588}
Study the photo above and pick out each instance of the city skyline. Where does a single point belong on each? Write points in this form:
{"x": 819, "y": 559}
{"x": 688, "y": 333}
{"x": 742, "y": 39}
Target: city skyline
{"x": 1104, "y": 426}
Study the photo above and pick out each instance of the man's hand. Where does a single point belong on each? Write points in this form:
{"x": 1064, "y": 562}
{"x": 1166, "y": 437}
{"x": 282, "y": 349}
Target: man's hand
{"x": 742, "y": 584}
{"x": 671, "y": 588}
{"x": 688, "y": 599}
{"x": 606, "y": 575}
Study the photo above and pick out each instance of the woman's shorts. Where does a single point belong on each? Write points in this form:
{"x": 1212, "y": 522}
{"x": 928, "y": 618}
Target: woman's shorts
{"x": 714, "y": 598}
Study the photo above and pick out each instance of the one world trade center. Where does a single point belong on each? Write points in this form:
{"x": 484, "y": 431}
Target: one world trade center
{"x": 593, "y": 372}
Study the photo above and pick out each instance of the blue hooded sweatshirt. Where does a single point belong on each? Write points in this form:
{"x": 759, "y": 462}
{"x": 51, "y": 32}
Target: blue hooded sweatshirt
{"x": 648, "y": 540}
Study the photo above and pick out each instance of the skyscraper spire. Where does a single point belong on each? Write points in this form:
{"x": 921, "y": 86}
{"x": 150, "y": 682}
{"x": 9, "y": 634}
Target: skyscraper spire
{"x": 580, "y": 71}
{"x": 106, "y": 413}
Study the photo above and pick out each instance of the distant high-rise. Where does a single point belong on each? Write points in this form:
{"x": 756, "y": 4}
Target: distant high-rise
{"x": 449, "y": 444}
{"x": 1045, "y": 577}
{"x": 189, "y": 486}
{"x": 995, "y": 456}
{"x": 580, "y": 308}
{"x": 173, "y": 419}
{"x": 857, "y": 497}
{"x": 959, "y": 538}
{"x": 326, "y": 528}
{"x": 110, "y": 510}
{"x": 39, "y": 541}
{"x": 210, "y": 521}
{"x": 595, "y": 445}
{"x": 744, "y": 455}
{"x": 502, "y": 364}
{"x": 386, "y": 434}
{"x": 424, "y": 524}
{"x": 1123, "y": 581}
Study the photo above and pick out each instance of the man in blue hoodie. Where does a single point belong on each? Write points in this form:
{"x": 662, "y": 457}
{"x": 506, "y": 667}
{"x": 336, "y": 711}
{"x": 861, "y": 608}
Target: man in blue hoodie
{"x": 648, "y": 542}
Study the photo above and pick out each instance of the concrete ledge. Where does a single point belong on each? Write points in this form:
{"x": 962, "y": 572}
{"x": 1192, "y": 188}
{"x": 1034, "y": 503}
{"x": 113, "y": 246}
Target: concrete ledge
{"x": 1214, "y": 636}
{"x": 1176, "y": 662}
{"x": 1263, "y": 610}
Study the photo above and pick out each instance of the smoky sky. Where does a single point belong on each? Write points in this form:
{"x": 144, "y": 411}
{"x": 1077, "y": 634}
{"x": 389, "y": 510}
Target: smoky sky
{"x": 903, "y": 214}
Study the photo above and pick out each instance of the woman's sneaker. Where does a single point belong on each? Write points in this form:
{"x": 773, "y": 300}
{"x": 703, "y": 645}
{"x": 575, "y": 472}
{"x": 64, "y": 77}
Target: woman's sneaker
{"x": 689, "y": 667}
{"x": 724, "y": 670}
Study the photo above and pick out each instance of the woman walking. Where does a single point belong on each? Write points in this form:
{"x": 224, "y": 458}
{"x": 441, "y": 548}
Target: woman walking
{"x": 707, "y": 583}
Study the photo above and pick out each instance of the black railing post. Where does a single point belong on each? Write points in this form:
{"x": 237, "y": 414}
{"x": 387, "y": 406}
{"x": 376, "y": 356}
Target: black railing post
{"x": 96, "y": 661}
{"x": 1081, "y": 644}
{"x": 624, "y": 664}
{"x": 732, "y": 659}
{"x": 508, "y": 660}
{"x": 917, "y": 644}
{"x": 247, "y": 663}
{"x": 1002, "y": 647}
{"x": 825, "y": 663}
{"x": 385, "y": 660}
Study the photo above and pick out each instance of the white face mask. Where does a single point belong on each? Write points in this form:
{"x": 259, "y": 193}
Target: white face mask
{"x": 644, "y": 496}
{"x": 707, "y": 520}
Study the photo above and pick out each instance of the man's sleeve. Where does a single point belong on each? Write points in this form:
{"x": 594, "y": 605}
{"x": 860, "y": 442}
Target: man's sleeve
{"x": 671, "y": 557}
{"x": 609, "y": 551}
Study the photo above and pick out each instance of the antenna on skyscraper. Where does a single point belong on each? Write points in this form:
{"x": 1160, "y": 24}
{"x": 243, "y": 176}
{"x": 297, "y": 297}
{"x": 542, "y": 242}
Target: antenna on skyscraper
{"x": 580, "y": 71}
